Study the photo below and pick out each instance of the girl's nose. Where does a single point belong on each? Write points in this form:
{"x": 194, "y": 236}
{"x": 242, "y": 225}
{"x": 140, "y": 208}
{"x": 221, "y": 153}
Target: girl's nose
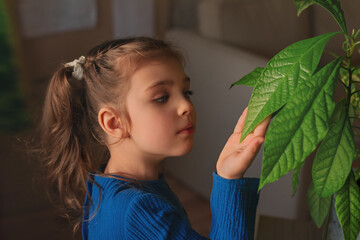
{"x": 185, "y": 107}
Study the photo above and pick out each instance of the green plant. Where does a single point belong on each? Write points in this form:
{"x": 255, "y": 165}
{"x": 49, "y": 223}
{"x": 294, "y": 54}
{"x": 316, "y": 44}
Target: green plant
{"x": 300, "y": 96}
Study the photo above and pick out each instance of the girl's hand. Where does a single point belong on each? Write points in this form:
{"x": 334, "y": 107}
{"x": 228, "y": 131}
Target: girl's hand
{"x": 237, "y": 157}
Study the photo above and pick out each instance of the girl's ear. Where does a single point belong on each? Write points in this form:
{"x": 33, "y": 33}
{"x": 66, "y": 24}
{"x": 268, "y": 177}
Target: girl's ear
{"x": 110, "y": 122}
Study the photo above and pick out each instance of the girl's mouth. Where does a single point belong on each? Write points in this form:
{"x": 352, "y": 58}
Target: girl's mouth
{"x": 189, "y": 129}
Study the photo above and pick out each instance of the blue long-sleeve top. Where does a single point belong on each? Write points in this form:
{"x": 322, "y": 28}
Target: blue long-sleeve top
{"x": 150, "y": 210}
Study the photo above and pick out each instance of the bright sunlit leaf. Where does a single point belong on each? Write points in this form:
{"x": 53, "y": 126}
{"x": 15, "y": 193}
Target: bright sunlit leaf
{"x": 284, "y": 72}
{"x": 250, "y": 79}
{"x": 299, "y": 127}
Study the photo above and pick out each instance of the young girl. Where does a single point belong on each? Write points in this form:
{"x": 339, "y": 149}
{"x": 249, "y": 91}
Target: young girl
{"x": 130, "y": 99}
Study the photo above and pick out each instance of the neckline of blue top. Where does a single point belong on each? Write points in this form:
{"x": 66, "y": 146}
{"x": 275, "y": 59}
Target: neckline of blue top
{"x": 126, "y": 179}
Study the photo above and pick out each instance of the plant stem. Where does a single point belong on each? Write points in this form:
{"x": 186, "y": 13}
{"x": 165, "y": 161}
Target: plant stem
{"x": 349, "y": 52}
{"x": 349, "y": 93}
{"x": 343, "y": 84}
{"x": 355, "y": 91}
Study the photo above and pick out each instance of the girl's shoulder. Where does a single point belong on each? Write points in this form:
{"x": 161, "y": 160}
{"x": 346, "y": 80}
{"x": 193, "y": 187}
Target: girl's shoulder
{"x": 115, "y": 202}
{"x": 118, "y": 191}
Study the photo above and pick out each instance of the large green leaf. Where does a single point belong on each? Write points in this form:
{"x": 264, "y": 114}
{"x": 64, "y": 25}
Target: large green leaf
{"x": 334, "y": 157}
{"x": 301, "y": 5}
{"x": 279, "y": 79}
{"x": 300, "y": 125}
{"x": 351, "y": 114}
{"x": 319, "y": 207}
{"x": 295, "y": 178}
{"x": 250, "y": 79}
{"x": 347, "y": 206}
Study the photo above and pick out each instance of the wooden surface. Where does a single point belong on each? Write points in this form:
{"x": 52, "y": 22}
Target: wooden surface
{"x": 281, "y": 229}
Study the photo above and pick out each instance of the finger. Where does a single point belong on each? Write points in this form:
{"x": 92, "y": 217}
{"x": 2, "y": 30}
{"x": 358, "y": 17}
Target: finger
{"x": 240, "y": 124}
{"x": 252, "y": 149}
{"x": 260, "y": 130}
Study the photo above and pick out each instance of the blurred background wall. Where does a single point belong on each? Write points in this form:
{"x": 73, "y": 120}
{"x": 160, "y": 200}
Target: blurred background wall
{"x": 222, "y": 39}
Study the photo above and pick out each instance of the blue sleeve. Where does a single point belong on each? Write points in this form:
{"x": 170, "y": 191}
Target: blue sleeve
{"x": 150, "y": 217}
{"x": 233, "y": 207}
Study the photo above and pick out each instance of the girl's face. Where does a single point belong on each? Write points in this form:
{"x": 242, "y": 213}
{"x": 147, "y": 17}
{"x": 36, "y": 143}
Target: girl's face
{"x": 162, "y": 115}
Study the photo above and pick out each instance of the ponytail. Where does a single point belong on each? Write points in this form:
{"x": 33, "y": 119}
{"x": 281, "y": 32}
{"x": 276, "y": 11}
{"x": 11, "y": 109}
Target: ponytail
{"x": 65, "y": 141}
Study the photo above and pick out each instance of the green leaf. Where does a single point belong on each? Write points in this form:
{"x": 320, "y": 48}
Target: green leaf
{"x": 301, "y": 5}
{"x": 337, "y": 112}
{"x": 347, "y": 207}
{"x": 357, "y": 174}
{"x": 351, "y": 114}
{"x": 357, "y": 153}
{"x": 295, "y": 179}
{"x": 334, "y": 157}
{"x": 300, "y": 125}
{"x": 319, "y": 207}
{"x": 334, "y": 7}
{"x": 250, "y": 79}
{"x": 279, "y": 79}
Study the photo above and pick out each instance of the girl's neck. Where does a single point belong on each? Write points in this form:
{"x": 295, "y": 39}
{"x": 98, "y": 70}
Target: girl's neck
{"x": 130, "y": 163}
{"x": 138, "y": 173}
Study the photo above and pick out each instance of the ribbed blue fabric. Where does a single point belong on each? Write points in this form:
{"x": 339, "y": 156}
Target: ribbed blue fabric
{"x": 150, "y": 210}
{"x": 233, "y": 208}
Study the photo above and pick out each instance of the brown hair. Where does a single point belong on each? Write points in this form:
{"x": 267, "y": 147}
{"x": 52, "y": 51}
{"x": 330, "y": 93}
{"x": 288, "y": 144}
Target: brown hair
{"x": 71, "y": 136}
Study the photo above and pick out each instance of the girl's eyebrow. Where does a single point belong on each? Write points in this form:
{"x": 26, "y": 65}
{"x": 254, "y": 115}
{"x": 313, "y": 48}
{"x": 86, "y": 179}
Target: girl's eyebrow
{"x": 165, "y": 82}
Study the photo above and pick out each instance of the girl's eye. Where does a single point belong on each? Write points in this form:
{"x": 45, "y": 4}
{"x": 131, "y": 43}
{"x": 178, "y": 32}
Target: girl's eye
{"x": 188, "y": 94}
{"x": 162, "y": 99}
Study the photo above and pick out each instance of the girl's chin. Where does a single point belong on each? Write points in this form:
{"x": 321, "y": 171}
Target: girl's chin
{"x": 184, "y": 151}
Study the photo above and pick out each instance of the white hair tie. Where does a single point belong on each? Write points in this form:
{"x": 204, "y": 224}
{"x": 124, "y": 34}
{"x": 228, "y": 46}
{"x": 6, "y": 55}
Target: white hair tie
{"x": 76, "y": 64}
